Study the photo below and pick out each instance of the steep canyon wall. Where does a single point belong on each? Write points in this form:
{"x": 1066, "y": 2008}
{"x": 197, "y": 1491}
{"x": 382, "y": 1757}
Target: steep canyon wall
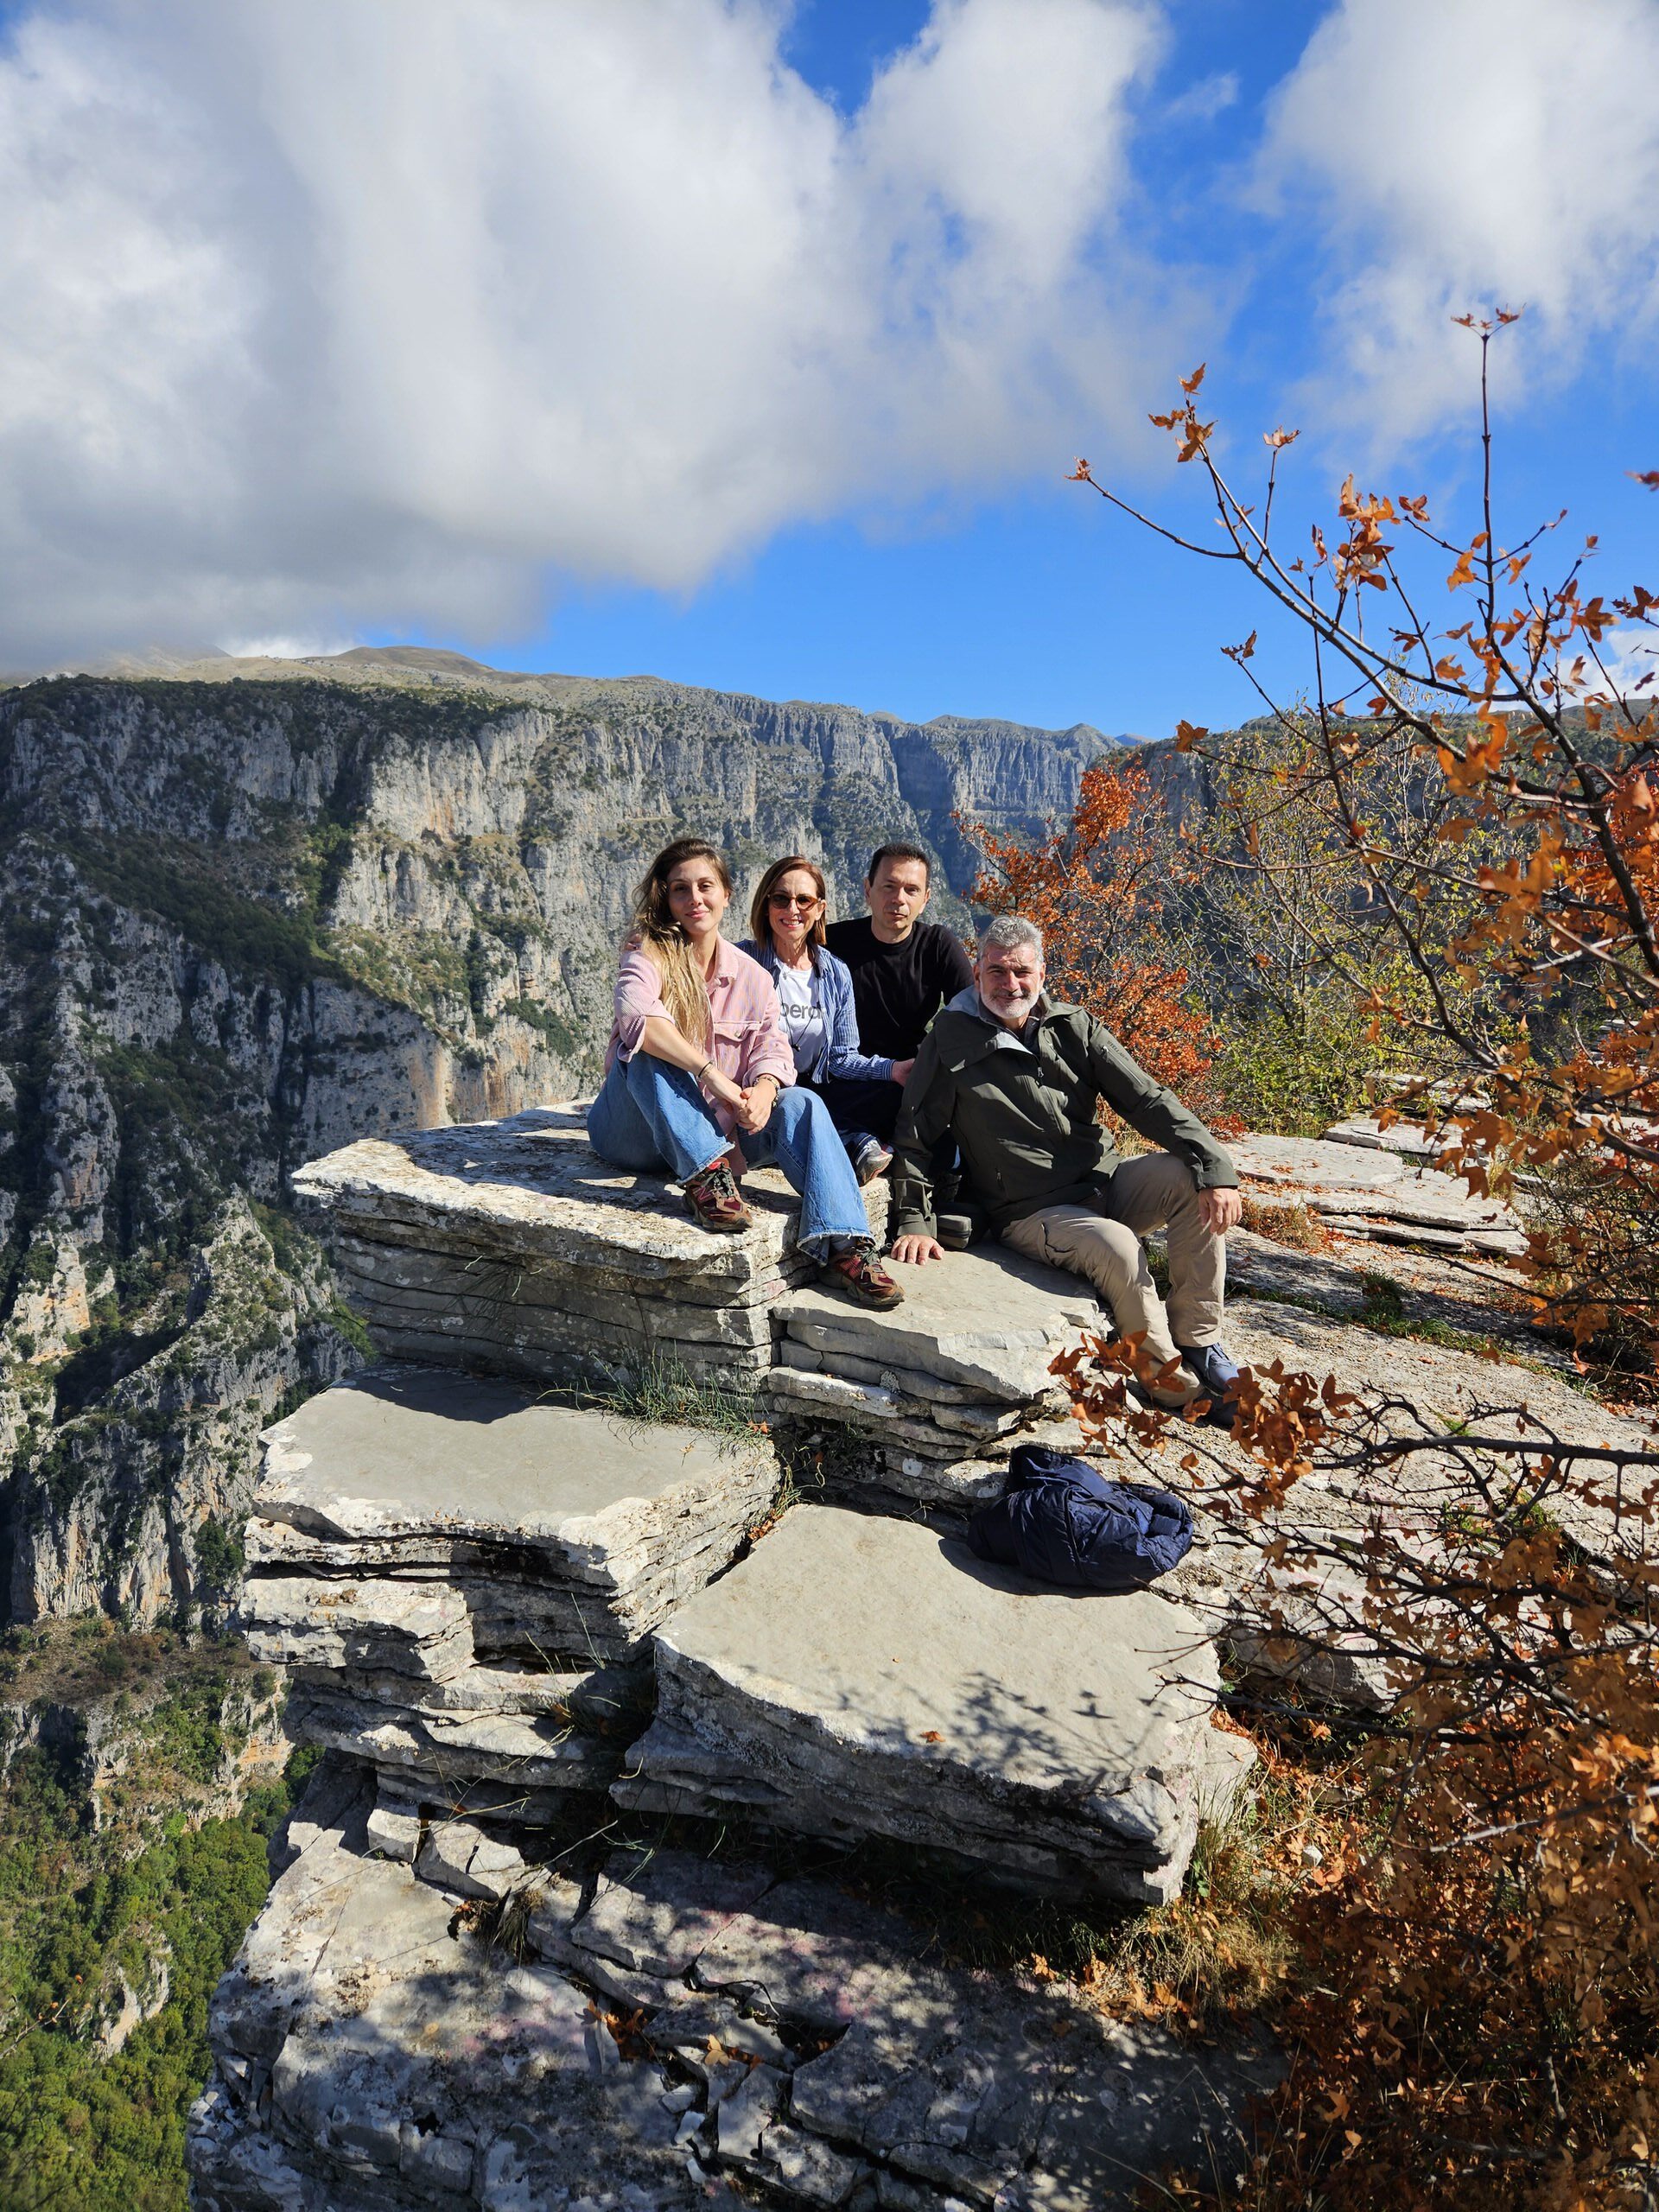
{"x": 253, "y": 910}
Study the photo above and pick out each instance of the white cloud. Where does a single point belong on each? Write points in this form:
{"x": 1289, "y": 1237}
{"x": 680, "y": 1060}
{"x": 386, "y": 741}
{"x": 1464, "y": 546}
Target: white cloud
{"x": 1630, "y": 657}
{"x": 1491, "y": 152}
{"x": 285, "y": 647}
{"x": 321, "y": 314}
{"x": 1203, "y": 101}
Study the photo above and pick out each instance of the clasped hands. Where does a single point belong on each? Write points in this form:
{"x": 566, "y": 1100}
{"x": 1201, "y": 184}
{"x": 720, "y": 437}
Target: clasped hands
{"x": 750, "y": 1104}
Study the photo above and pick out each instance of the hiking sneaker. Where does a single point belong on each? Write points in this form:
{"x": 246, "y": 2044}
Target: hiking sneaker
{"x": 873, "y": 1159}
{"x": 862, "y": 1276}
{"x": 1217, "y": 1374}
{"x": 714, "y": 1201}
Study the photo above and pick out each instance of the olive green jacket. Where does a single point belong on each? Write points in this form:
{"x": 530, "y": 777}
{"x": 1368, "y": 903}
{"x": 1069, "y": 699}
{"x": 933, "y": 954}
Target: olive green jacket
{"x": 1022, "y": 1113}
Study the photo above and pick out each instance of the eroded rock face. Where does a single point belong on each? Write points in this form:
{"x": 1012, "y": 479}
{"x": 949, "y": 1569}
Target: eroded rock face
{"x": 778, "y": 2034}
{"x": 132, "y": 1500}
{"x": 248, "y": 922}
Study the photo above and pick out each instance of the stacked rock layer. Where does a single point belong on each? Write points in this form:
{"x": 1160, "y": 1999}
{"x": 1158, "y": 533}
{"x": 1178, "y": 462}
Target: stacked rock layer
{"x": 657, "y": 2035}
{"x": 510, "y": 1245}
{"x": 939, "y": 1388}
{"x": 463, "y": 1579}
{"x": 517, "y": 1624}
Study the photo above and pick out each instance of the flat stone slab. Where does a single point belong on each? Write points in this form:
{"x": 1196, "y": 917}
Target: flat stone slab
{"x": 368, "y": 2052}
{"x": 855, "y": 1675}
{"x": 1446, "y": 1388}
{"x": 987, "y": 1319}
{"x": 1313, "y": 1163}
{"x": 530, "y": 1188}
{"x": 421, "y": 1467}
{"x": 1376, "y": 1190}
{"x": 1405, "y": 1138}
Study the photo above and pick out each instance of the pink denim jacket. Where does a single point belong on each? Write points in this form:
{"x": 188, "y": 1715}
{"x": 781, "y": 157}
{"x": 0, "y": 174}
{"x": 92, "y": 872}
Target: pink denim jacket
{"x": 748, "y": 1038}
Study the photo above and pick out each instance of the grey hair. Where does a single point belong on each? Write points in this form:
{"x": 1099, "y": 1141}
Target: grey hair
{"x": 1003, "y": 931}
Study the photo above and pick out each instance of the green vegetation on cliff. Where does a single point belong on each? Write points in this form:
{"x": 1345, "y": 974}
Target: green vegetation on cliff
{"x": 122, "y": 1893}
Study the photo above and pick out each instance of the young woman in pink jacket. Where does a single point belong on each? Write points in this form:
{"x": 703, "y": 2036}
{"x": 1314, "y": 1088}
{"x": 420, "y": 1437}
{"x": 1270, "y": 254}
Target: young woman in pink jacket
{"x": 699, "y": 1073}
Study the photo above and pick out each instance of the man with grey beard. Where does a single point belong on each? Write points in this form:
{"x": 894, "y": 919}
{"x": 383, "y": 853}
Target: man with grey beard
{"x": 1014, "y": 1079}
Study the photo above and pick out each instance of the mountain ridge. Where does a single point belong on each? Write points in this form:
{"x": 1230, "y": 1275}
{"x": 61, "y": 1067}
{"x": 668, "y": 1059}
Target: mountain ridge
{"x": 439, "y": 665}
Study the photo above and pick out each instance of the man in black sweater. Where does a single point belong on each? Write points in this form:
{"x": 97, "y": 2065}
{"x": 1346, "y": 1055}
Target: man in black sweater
{"x": 904, "y": 971}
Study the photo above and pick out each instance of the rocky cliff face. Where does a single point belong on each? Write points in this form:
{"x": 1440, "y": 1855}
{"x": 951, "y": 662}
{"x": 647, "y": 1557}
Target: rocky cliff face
{"x": 254, "y": 910}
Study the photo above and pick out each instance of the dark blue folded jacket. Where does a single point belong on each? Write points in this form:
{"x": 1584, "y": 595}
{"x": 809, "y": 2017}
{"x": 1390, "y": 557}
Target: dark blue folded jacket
{"x": 1060, "y": 1522}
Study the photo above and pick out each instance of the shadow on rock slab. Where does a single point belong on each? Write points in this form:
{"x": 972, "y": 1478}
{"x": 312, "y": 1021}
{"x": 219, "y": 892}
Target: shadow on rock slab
{"x": 369, "y": 2050}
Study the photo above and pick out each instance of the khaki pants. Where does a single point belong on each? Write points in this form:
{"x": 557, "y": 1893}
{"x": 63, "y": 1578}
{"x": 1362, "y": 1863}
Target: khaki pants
{"x": 1102, "y": 1243}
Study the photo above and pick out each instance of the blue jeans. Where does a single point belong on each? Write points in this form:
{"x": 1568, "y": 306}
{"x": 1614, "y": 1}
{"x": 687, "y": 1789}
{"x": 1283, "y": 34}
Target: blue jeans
{"x": 652, "y": 1117}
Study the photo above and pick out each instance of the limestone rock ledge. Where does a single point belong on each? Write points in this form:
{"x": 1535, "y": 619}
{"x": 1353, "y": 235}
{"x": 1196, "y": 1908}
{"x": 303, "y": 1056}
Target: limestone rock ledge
{"x": 938, "y": 1389}
{"x": 678, "y": 2032}
{"x": 512, "y": 1245}
{"x": 558, "y": 1532}
{"x": 461, "y": 1579}
{"x": 857, "y": 1676}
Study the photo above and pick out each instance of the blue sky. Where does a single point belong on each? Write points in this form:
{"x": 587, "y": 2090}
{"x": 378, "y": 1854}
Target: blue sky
{"x": 750, "y": 347}
{"x": 1040, "y": 606}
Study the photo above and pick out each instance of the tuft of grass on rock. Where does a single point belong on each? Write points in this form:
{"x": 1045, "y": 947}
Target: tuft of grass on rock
{"x": 665, "y": 1390}
{"x": 1298, "y": 1226}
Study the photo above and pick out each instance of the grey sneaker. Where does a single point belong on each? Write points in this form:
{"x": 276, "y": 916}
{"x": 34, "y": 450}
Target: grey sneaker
{"x": 1217, "y": 1374}
{"x": 873, "y": 1159}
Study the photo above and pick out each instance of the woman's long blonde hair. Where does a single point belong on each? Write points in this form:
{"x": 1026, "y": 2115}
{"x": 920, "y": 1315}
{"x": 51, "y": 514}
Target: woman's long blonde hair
{"x": 684, "y": 992}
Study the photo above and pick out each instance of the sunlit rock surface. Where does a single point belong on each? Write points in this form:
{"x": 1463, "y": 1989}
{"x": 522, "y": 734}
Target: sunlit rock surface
{"x": 678, "y": 2025}
{"x": 859, "y": 1676}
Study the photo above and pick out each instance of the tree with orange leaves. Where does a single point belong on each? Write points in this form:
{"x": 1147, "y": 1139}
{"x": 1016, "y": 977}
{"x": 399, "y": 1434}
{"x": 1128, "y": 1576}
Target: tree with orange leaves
{"x": 1521, "y": 883}
{"x": 1480, "y": 2024}
{"x": 1095, "y": 888}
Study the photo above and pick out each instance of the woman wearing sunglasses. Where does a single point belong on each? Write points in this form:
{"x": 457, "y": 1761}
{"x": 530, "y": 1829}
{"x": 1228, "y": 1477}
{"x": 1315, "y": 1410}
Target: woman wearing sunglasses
{"x": 814, "y": 992}
{"x": 699, "y": 1073}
